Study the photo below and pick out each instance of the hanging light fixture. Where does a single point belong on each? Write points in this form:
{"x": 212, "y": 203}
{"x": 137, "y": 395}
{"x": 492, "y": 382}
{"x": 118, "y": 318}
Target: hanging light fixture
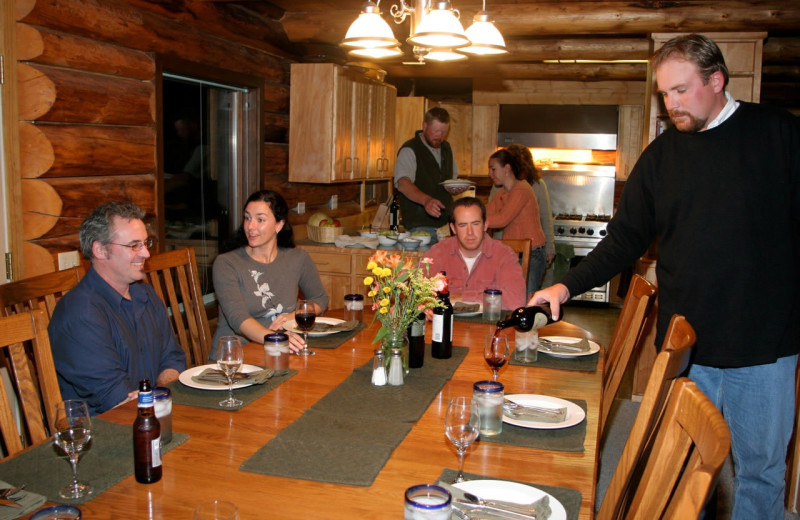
{"x": 369, "y": 30}
{"x": 484, "y": 37}
{"x": 439, "y": 28}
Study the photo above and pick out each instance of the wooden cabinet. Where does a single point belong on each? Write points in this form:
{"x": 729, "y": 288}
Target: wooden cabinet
{"x": 340, "y": 125}
{"x": 460, "y": 135}
{"x": 409, "y": 113}
{"x": 742, "y": 52}
{"x": 629, "y": 139}
{"x": 485, "y": 122}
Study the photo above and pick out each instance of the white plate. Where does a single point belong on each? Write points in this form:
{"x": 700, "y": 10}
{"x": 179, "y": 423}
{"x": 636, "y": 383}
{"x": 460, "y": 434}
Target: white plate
{"x": 469, "y": 313}
{"x": 512, "y": 492}
{"x": 291, "y": 326}
{"x": 575, "y": 414}
{"x": 457, "y": 183}
{"x": 186, "y": 377}
{"x": 593, "y": 347}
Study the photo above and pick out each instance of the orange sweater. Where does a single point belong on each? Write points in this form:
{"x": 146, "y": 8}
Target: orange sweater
{"x": 516, "y": 212}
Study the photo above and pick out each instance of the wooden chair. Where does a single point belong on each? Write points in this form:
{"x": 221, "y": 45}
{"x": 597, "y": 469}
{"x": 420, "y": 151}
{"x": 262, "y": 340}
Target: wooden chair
{"x": 670, "y": 363}
{"x": 637, "y": 305}
{"x": 523, "y": 250}
{"x": 680, "y": 471}
{"x": 38, "y": 292}
{"x": 175, "y": 279}
{"x": 32, "y": 397}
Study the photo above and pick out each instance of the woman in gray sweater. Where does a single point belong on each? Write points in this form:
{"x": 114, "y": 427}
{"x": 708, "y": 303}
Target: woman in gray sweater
{"x": 257, "y": 282}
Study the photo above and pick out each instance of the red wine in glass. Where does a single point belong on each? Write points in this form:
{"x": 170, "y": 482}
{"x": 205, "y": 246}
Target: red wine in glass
{"x": 304, "y": 316}
{"x": 495, "y": 352}
{"x": 305, "y": 321}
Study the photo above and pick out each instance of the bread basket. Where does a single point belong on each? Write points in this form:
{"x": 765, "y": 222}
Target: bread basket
{"x": 324, "y": 235}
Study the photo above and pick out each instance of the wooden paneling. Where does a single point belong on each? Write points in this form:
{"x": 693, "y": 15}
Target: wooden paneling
{"x": 485, "y": 122}
{"x": 629, "y": 139}
{"x": 490, "y": 91}
{"x": 460, "y": 135}
{"x": 409, "y": 112}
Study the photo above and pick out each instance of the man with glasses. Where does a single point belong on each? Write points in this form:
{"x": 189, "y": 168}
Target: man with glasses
{"x": 111, "y": 331}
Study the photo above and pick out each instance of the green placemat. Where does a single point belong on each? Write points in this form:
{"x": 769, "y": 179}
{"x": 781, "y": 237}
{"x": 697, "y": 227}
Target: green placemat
{"x": 357, "y": 396}
{"x": 478, "y": 318}
{"x": 330, "y": 447}
{"x": 561, "y": 439}
{"x": 544, "y": 360}
{"x": 569, "y": 498}
{"x": 108, "y": 460}
{"x": 26, "y": 501}
{"x": 334, "y": 340}
{"x": 182, "y": 394}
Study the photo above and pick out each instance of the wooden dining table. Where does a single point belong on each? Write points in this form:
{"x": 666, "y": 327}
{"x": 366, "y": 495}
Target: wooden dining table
{"x": 206, "y": 467}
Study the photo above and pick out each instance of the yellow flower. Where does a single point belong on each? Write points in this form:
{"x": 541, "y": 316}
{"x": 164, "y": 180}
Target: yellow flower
{"x": 368, "y": 280}
{"x": 377, "y": 271}
{"x": 386, "y": 272}
{"x": 384, "y": 310}
{"x": 371, "y": 266}
{"x": 385, "y": 302}
{"x": 387, "y": 290}
{"x": 372, "y": 293}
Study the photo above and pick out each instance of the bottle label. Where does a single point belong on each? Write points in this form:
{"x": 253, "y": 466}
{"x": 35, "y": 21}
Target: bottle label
{"x": 155, "y": 449}
{"x": 437, "y": 332}
{"x": 418, "y": 328}
{"x": 145, "y": 399}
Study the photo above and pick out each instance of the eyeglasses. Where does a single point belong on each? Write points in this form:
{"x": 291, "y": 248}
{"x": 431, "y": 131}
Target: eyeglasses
{"x": 137, "y": 245}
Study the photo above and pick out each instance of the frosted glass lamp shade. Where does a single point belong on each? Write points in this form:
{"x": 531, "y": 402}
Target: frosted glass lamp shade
{"x": 444, "y": 55}
{"x": 439, "y": 28}
{"x": 369, "y": 30}
{"x": 485, "y": 37}
{"x": 377, "y": 53}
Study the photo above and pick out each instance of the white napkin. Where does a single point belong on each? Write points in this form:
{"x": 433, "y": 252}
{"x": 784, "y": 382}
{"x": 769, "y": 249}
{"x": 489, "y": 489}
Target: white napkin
{"x": 357, "y": 241}
{"x": 29, "y": 502}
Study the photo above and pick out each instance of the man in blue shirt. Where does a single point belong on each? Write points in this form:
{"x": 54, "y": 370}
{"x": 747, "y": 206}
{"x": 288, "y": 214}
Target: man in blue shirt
{"x": 110, "y": 331}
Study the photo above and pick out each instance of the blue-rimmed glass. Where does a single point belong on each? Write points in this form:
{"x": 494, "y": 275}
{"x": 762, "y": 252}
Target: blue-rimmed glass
{"x": 428, "y": 502}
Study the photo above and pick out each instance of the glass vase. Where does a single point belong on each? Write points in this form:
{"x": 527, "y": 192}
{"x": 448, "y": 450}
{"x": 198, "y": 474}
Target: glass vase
{"x": 396, "y": 339}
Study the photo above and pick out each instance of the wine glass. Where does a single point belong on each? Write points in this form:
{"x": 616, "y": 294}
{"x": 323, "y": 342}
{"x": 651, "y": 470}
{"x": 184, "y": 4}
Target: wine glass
{"x": 461, "y": 425}
{"x": 216, "y": 510}
{"x": 304, "y": 316}
{"x": 229, "y": 359}
{"x": 495, "y": 352}
{"x": 73, "y": 431}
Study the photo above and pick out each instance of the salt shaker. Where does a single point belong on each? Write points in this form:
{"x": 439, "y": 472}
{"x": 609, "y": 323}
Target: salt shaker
{"x": 354, "y": 307}
{"x": 396, "y": 367}
{"x": 379, "y": 368}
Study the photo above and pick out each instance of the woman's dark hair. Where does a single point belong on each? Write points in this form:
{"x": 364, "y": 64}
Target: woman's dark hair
{"x": 504, "y": 157}
{"x": 279, "y": 208}
{"x": 525, "y": 160}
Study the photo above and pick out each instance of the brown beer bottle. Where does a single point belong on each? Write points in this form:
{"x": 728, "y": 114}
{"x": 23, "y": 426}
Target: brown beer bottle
{"x": 146, "y": 438}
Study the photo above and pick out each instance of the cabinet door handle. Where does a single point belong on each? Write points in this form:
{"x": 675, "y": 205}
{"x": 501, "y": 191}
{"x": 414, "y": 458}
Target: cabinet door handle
{"x": 347, "y": 164}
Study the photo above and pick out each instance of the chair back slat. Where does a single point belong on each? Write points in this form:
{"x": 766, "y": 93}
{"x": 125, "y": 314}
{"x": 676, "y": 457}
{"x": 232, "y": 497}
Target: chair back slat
{"x": 523, "y": 249}
{"x": 174, "y": 276}
{"x": 635, "y": 309}
{"x": 34, "y": 393}
{"x": 670, "y": 364}
{"x": 38, "y": 292}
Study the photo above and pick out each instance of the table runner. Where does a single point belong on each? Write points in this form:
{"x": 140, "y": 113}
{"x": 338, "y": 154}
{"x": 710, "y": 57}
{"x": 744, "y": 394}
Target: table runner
{"x": 569, "y": 498}
{"x": 182, "y": 394}
{"x": 544, "y": 360}
{"x": 108, "y": 461}
{"x": 26, "y": 501}
{"x": 334, "y": 340}
{"x": 347, "y": 437}
{"x": 562, "y": 439}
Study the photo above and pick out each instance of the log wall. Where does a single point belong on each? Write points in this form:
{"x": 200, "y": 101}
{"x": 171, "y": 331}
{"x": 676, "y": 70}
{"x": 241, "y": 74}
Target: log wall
{"x": 88, "y": 115}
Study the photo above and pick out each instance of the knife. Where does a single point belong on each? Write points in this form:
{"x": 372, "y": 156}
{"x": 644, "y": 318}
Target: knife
{"x": 9, "y": 503}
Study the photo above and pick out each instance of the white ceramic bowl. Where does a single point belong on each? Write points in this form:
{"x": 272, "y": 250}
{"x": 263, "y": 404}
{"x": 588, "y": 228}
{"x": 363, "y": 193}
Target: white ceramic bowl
{"x": 410, "y": 243}
{"x": 368, "y": 234}
{"x": 403, "y": 234}
{"x": 424, "y": 240}
{"x": 386, "y": 240}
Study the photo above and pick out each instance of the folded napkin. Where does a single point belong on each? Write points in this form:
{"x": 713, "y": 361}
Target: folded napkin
{"x": 459, "y": 307}
{"x": 539, "y": 509}
{"x": 545, "y": 414}
{"x": 25, "y": 499}
{"x": 357, "y": 241}
{"x": 212, "y": 376}
{"x": 345, "y": 326}
{"x": 564, "y": 348}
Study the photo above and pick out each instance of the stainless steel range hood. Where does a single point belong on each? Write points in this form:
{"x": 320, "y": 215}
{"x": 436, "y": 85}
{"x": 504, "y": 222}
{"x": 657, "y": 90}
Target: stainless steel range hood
{"x": 590, "y": 127}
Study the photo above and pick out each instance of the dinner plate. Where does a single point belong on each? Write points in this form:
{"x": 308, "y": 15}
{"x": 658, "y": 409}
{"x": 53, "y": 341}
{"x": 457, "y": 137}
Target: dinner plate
{"x": 457, "y": 183}
{"x": 575, "y": 414}
{"x": 186, "y": 377}
{"x": 291, "y": 326}
{"x": 469, "y": 313}
{"x": 511, "y": 492}
{"x": 593, "y": 347}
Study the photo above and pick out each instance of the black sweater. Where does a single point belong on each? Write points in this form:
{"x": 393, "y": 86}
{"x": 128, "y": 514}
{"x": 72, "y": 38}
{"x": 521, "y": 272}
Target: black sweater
{"x": 724, "y": 206}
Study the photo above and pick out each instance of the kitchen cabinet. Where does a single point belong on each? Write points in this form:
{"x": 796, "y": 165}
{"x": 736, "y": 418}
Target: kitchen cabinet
{"x": 340, "y": 125}
{"x": 409, "y": 113}
{"x": 742, "y": 52}
{"x": 460, "y": 135}
{"x": 485, "y": 123}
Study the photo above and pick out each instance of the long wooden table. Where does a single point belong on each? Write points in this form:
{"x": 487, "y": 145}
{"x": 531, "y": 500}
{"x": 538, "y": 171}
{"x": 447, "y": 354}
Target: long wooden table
{"x": 206, "y": 466}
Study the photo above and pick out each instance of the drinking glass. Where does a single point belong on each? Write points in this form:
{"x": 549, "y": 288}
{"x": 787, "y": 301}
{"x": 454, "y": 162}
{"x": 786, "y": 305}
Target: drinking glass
{"x": 229, "y": 359}
{"x": 461, "y": 425}
{"x": 304, "y": 316}
{"x": 73, "y": 431}
{"x": 216, "y": 510}
{"x": 495, "y": 352}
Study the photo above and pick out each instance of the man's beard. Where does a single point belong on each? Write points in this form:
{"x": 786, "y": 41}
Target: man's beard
{"x": 693, "y": 126}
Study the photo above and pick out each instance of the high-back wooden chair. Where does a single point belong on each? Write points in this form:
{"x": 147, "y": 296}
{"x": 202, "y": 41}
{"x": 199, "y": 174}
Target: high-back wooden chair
{"x": 670, "y": 363}
{"x": 33, "y": 393}
{"x": 680, "y": 471}
{"x": 175, "y": 279}
{"x": 523, "y": 250}
{"x": 635, "y": 309}
{"x": 38, "y": 292}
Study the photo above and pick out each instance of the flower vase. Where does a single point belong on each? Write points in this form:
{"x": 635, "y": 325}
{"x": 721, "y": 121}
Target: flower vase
{"x": 396, "y": 339}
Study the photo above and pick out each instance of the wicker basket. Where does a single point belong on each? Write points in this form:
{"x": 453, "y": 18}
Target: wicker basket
{"x": 325, "y": 235}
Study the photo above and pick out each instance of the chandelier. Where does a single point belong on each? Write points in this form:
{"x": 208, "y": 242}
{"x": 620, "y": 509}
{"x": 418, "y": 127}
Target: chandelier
{"x": 436, "y": 32}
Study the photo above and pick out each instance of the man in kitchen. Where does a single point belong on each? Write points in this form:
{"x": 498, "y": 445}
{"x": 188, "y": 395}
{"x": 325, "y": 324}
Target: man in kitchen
{"x": 474, "y": 261}
{"x": 720, "y": 191}
{"x": 423, "y": 163}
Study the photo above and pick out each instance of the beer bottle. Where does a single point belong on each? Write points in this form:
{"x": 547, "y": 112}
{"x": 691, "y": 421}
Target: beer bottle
{"x": 146, "y": 438}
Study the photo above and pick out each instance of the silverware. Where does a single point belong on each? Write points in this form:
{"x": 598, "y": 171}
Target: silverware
{"x": 580, "y": 346}
{"x": 7, "y": 492}
{"x": 511, "y": 506}
{"x": 496, "y": 511}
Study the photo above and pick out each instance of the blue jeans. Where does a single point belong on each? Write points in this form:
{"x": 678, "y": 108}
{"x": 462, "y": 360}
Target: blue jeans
{"x": 758, "y": 405}
{"x": 536, "y": 269}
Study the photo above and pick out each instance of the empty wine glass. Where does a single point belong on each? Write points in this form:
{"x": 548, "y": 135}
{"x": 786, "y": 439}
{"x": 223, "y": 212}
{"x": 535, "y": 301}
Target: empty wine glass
{"x": 73, "y": 431}
{"x": 495, "y": 352}
{"x": 304, "y": 316}
{"x": 216, "y": 510}
{"x": 461, "y": 425}
{"x": 229, "y": 359}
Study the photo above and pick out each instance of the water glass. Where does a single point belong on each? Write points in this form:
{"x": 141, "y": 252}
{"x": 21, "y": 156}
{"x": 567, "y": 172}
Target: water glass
{"x": 162, "y": 399}
{"x": 492, "y": 304}
{"x": 427, "y": 502}
{"x": 526, "y": 346}
{"x": 216, "y": 510}
{"x": 354, "y": 307}
{"x": 489, "y": 397}
{"x": 276, "y": 352}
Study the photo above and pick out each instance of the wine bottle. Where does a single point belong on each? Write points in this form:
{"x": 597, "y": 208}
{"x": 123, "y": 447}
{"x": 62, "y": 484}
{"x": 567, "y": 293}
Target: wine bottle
{"x": 146, "y": 438}
{"x": 416, "y": 342}
{"x": 526, "y": 318}
{"x": 442, "y": 330}
{"x": 394, "y": 215}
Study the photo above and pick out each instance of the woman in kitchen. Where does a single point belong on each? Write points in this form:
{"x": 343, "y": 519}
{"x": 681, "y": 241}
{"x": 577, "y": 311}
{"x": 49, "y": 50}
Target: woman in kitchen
{"x": 257, "y": 281}
{"x": 514, "y": 209}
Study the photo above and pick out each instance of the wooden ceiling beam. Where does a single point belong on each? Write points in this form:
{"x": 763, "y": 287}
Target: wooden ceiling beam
{"x": 539, "y": 71}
